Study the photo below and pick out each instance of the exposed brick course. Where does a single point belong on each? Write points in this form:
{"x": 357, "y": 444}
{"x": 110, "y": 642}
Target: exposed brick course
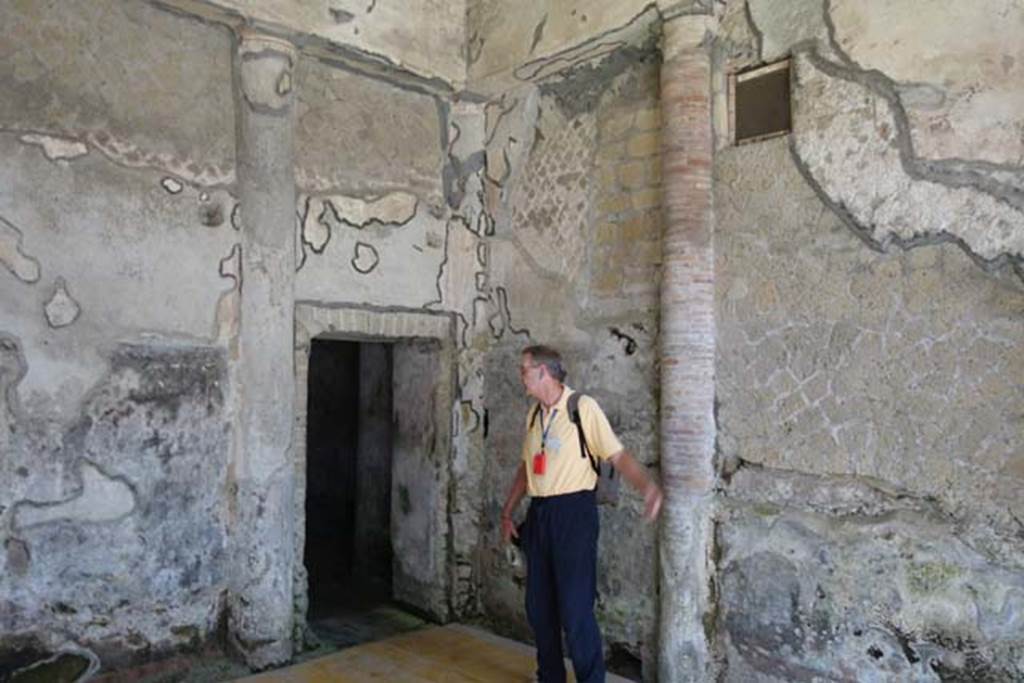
{"x": 687, "y": 352}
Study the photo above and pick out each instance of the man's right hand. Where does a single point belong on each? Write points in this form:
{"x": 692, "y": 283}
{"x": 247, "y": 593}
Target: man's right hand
{"x": 508, "y": 529}
{"x": 515, "y": 494}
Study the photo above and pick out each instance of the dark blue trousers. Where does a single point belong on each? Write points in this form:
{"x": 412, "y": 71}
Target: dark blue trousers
{"x": 561, "y": 585}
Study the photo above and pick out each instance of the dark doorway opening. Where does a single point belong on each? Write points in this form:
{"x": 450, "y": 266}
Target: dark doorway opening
{"x": 348, "y": 551}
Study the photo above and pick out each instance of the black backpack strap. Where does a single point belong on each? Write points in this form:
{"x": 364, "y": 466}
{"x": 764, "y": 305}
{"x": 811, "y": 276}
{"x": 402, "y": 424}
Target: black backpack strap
{"x": 534, "y": 414}
{"x": 574, "y": 415}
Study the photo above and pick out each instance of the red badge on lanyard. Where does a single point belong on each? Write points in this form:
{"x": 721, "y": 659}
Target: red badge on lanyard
{"x": 540, "y": 459}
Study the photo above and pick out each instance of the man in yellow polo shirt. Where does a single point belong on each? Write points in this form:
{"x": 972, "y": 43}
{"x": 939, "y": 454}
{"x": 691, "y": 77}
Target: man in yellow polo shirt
{"x": 560, "y": 534}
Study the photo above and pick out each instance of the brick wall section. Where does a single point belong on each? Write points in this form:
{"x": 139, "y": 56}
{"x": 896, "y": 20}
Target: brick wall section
{"x": 687, "y": 354}
{"x": 687, "y": 290}
{"x": 629, "y": 216}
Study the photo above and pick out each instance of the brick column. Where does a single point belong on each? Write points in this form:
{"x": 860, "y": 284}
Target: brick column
{"x": 687, "y": 352}
{"x": 260, "y": 600}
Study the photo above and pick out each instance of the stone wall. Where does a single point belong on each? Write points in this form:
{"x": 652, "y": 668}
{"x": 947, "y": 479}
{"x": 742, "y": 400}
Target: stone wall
{"x": 573, "y": 174}
{"x": 869, "y": 378}
{"x": 132, "y": 517}
{"x": 868, "y": 296}
{"x": 114, "y": 219}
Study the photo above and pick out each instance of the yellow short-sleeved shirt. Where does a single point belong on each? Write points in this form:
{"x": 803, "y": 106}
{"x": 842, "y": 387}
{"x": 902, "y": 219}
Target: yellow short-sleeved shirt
{"x": 566, "y": 471}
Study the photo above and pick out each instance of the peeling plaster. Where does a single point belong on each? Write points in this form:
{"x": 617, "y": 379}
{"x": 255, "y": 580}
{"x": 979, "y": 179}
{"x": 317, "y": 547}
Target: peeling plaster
{"x": 393, "y": 208}
{"x": 103, "y": 498}
{"x": 394, "y": 45}
{"x": 506, "y": 315}
{"x": 538, "y": 33}
{"x": 231, "y": 266}
{"x": 631, "y": 32}
{"x": 366, "y": 258}
{"x": 443, "y": 266}
{"x": 122, "y": 152}
{"x": 61, "y": 310}
{"x": 172, "y": 185}
{"x": 321, "y": 213}
{"x": 127, "y": 154}
{"x": 13, "y": 369}
{"x": 966, "y": 60}
{"x": 66, "y": 653}
{"x": 509, "y": 133}
{"x": 229, "y": 305}
{"x": 778, "y": 27}
{"x": 850, "y": 124}
{"x": 23, "y": 266}
{"x": 56, "y": 148}
{"x": 316, "y": 230}
{"x": 868, "y": 142}
{"x": 628, "y": 342}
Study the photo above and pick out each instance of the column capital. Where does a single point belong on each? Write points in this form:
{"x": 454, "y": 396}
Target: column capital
{"x": 686, "y": 33}
{"x": 266, "y": 63}
{"x": 253, "y": 41}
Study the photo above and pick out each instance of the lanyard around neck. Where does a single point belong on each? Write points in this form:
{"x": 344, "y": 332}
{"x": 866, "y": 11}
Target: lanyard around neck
{"x": 544, "y": 430}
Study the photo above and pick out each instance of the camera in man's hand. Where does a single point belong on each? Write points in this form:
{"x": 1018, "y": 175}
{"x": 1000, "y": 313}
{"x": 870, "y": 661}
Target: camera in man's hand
{"x": 517, "y": 537}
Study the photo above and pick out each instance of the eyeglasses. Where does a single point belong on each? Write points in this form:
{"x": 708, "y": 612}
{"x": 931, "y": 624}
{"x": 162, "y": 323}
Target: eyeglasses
{"x": 523, "y": 369}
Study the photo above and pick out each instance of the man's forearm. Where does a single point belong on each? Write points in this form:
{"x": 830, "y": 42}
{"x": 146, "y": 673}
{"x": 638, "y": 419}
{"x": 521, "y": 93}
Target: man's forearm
{"x": 632, "y": 471}
{"x": 636, "y": 475}
{"x": 515, "y": 492}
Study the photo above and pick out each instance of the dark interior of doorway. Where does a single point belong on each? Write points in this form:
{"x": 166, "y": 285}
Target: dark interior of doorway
{"x": 348, "y": 493}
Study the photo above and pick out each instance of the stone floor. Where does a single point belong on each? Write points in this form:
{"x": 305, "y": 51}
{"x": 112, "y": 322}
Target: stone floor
{"x": 363, "y": 639}
{"x": 346, "y": 625}
{"x": 454, "y": 654}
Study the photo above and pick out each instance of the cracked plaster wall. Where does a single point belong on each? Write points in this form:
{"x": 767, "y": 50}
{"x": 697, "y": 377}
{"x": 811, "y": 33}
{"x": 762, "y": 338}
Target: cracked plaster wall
{"x": 391, "y": 220}
{"x": 116, "y": 312}
{"x": 424, "y": 37}
{"x": 76, "y": 75}
{"x": 920, "y": 358}
{"x": 573, "y": 180}
{"x": 869, "y": 374}
{"x": 372, "y": 217}
{"x": 119, "y": 240}
{"x": 507, "y": 44}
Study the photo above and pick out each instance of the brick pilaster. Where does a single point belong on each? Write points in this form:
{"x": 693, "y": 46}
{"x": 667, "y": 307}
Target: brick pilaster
{"x": 687, "y": 351}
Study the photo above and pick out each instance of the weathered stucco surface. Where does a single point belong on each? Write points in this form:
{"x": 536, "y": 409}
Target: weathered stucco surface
{"x": 371, "y": 210}
{"x": 88, "y": 75}
{"x": 839, "y": 360}
{"x": 355, "y": 133}
{"x": 574, "y": 176}
{"x": 869, "y": 375}
{"x": 957, "y": 72}
{"x": 843, "y": 578}
{"x": 934, "y": 129}
{"x": 119, "y": 240}
{"x": 508, "y": 43}
{"x": 115, "y": 410}
{"x": 156, "y": 314}
{"x": 109, "y": 524}
{"x": 502, "y": 38}
{"x": 423, "y": 37}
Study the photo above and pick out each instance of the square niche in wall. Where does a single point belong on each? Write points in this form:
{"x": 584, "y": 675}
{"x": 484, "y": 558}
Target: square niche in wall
{"x": 759, "y": 100}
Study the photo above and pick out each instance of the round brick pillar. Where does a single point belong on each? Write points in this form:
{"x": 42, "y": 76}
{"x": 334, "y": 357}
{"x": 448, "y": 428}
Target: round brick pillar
{"x": 687, "y": 353}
